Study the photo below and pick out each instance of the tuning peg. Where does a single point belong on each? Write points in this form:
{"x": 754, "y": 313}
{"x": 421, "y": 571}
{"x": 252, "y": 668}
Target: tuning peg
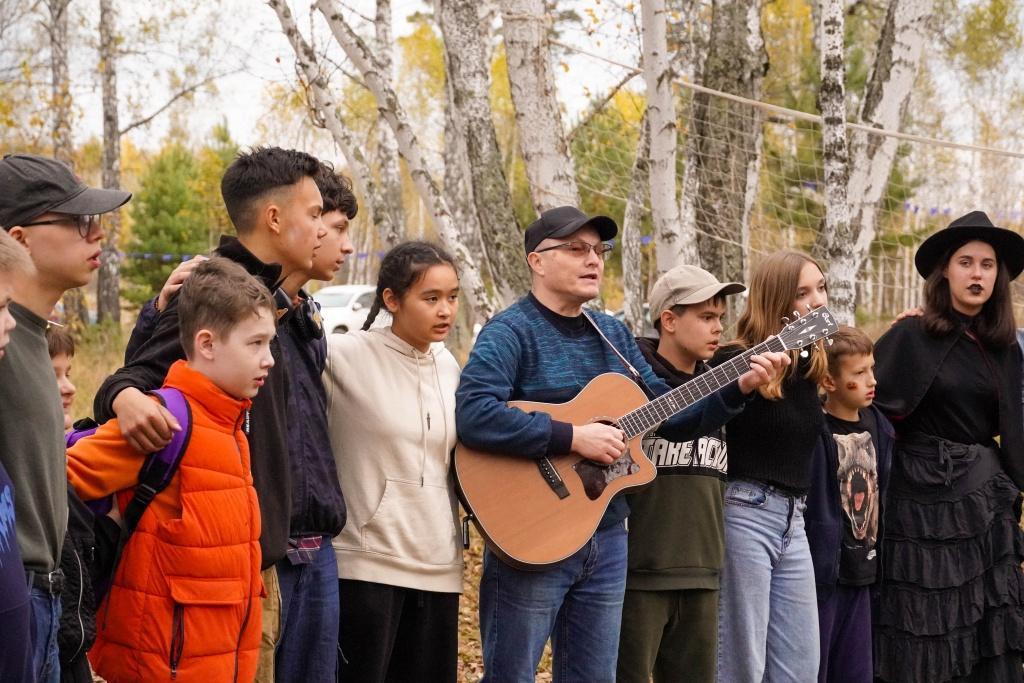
{"x": 796, "y": 314}
{"x": 785, "y": 320}
{"x": 804, "y": 353}
{"x": 829, "y": 341}
{"x": 808, "y": 307}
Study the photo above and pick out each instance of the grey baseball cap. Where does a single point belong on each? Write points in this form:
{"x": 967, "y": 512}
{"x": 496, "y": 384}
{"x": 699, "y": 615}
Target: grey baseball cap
{"x": 687, "y": 285}
{"x": 31, "y": 185}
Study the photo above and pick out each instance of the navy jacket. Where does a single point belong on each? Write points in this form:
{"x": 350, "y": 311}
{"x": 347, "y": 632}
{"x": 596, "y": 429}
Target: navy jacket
{"x": 824, "y": 517}
{"x": 318, "y": 507}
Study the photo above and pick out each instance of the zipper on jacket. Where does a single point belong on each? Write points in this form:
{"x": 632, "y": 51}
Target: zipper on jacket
{"x": 78, "y": 607}
{"x": 177, "y": 639}
{"x": 248, "y": 601}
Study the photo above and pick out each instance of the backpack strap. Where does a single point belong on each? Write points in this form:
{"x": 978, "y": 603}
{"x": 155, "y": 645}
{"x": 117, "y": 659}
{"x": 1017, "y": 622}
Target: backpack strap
{"x": 160, "y": 467}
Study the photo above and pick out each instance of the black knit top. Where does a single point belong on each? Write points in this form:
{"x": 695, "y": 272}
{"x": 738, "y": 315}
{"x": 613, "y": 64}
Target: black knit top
{"x": 772, "y": 441}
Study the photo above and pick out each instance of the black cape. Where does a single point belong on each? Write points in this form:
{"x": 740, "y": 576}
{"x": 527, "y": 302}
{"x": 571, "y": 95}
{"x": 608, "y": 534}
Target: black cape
{"x": 907, "y": 361}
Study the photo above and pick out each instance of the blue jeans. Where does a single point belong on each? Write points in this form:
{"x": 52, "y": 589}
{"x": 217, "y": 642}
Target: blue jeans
{"x": 768, "y": 612}
{"x": 577, "y": 602}
{"x": 307, "y": 649}
{"x": 45, "y": 620}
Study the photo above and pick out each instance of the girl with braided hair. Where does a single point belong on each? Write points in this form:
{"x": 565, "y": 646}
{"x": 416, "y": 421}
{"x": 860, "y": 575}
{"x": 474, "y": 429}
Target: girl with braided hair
{"x": 391, "y": 412}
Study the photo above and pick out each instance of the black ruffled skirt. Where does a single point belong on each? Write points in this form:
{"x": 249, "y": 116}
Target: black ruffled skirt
{"x": 951, "y": 598}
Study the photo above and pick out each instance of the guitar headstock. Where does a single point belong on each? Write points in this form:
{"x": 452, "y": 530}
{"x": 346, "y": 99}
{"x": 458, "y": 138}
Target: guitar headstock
{"x": 808, "y": 328}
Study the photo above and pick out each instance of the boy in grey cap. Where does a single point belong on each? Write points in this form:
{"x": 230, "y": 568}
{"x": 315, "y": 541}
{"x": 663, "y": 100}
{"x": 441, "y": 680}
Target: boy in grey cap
{"x": 677, "y": 536}
{"x": 55, "y": 217}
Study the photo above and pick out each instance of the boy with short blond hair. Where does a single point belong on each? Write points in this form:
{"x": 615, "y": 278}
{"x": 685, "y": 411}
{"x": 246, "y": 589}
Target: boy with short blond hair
{"x": 199, "y": 617}
{"x": 849, "y": 477}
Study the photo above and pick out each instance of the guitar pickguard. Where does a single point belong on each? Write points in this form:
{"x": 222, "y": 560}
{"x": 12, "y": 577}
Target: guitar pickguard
{"x": 596, "y": 477}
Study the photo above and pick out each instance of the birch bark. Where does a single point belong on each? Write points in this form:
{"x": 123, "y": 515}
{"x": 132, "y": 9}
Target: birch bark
{"x": 328, "y": 113}
{"x": 673, "y": 246}
{"x": 727, "y": 137}
{"x": 897, "y": 61}
{"x": 482, "y": 300}
{"x": 466, "y": 65}
{"x": 837, "y": 235}
{"x": 542, "y": 141}
{"x": 387, "y": 146}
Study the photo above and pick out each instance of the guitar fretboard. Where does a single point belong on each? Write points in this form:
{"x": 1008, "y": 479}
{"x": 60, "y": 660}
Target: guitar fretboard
{"x": 648, "y": 416}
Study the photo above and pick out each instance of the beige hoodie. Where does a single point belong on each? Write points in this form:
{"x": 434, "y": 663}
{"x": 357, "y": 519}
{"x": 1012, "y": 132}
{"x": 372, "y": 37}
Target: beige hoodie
{"x": 391, "y": 412}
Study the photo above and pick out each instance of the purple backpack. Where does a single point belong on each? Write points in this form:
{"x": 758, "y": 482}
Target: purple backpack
{"x": 154, "y": 476}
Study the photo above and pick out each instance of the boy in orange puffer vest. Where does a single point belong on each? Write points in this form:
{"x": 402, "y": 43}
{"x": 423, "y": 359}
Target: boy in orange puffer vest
{"x": 185, "y": 599}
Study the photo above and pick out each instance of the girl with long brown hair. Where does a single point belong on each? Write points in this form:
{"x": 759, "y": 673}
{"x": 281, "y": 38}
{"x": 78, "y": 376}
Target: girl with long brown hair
{"x": 768, "y": 618}
{"x": 950, "y": 606}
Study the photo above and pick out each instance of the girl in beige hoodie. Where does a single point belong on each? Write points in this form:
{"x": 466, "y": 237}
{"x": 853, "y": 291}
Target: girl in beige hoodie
{"x": 391, "y": 398}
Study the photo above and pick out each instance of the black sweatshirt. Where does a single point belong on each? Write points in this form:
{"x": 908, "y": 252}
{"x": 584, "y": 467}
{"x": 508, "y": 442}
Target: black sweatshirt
{"x": 267, "y": 432}
{"x": 773, "y": 441}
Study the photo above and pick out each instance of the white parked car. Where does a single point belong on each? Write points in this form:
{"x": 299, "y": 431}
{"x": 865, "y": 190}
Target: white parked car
{"x": 344, "y": 307}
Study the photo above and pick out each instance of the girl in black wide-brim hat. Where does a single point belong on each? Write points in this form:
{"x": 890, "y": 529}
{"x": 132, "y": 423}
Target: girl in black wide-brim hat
{"x": 951, "y": 601}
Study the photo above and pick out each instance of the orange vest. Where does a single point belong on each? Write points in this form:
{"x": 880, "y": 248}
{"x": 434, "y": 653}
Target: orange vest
{"x": 185, "y": 601}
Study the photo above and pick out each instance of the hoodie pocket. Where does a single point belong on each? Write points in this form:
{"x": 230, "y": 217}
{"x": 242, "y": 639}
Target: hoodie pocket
{"x": 413, "y": 522}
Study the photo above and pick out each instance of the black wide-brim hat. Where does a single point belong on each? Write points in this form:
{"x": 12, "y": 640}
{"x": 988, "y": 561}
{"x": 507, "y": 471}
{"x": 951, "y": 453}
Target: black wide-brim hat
{"x": 1008, "y": 245}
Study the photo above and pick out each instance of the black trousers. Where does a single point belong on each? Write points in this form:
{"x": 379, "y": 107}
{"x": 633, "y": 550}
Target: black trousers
{"x": 389, "y": 634}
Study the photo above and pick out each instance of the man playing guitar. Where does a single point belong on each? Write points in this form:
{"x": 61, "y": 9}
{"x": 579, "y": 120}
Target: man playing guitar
{"x": 544, "y": 348}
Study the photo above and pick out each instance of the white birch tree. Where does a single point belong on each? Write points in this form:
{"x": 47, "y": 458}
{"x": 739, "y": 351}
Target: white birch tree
{"x": 542, "y": 140}
{"x": 108, "y": 282}
{"x": 633, "y": 291}
{"x": 675, "y": 242}
{"x": 480, "y": 298}
{"x": 466, "y": 65}
{"x": 387, "y": 146}
{"x": 837, "y": 236}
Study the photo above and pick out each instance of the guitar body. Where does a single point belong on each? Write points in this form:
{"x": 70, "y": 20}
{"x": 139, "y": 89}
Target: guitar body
{"x": 520, "y": 515}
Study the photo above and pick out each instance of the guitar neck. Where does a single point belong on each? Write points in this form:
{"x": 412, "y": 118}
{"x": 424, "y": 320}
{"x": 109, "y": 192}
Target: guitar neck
{"x": 650, "y": 415}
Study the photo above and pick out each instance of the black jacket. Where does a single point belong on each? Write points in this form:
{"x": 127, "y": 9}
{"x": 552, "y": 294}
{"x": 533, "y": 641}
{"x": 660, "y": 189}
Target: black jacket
{"x": 318, "y": 507}
{"x": 824, "y": 517}
{"x": 77, "y": 629}
{"x": 268, "y": 428}
{"x": 908, "y": 358}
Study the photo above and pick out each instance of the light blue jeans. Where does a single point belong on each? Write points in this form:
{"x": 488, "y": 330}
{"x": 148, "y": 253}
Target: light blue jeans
{"x": 768, "y": 612}
{"x": 577, "y": 602}
{"x": 45, "y": 620}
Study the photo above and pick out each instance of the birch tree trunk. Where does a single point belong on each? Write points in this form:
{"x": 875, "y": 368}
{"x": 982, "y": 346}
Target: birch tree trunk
{"x": 75, "y": 311}
{"x": 727, "y": 136}
{"x": 108, "y": 285}
{"x": 458, "y": 190}
{"x": 549, "y": 166}
{"x": 329, "y": 114}
{"x": 897, "y": 61}
{"x": 633, "y": 291}
{"x": 479, "y": 297}
{"x": 837, "y": 236}
{"x": 673, "y": 247}
{"x": 387, "y": 146}
{"x": 465, "y": 61}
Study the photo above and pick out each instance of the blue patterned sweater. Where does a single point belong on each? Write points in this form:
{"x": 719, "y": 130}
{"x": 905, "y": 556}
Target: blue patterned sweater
{"x": 529, "y": 353}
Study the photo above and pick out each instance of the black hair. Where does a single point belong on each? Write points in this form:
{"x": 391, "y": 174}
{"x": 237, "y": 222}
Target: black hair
{"x": 255, "y": 173}
{"x": 994, "y": 325}
{"x": 402, "y": 266}
{"x": 336, "y": 191}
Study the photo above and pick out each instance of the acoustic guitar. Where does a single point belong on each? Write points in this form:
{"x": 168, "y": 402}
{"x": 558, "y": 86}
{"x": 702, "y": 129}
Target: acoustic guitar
{"x": 534, "y": 513}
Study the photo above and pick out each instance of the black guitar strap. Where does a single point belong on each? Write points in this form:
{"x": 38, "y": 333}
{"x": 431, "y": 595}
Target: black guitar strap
{"x": 629, "y": 366}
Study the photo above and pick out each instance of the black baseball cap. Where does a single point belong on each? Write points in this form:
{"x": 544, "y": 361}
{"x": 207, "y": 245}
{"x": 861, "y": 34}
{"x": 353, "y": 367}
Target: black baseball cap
{"x": 563, "y": 221}
{"x": 31, "y": 185}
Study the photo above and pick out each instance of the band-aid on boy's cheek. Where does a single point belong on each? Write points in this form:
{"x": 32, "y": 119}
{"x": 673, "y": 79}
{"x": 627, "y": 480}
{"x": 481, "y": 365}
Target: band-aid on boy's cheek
{"x": 852, "y": 386}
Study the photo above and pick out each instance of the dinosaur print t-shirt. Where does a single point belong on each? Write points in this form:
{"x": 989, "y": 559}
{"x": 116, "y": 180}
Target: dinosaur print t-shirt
{"x": 857, "y": 475}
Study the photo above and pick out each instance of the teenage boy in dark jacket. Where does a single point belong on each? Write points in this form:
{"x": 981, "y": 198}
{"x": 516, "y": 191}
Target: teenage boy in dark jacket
{"x": 273, "y": 201}
{"x": 849, "y": 477}
{"x": 676, "y": 528}
{"x": 307, "y": 647}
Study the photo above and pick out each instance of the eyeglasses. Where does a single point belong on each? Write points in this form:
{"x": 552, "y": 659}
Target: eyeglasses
{"x": 581, "y": 249}
{"x": 85, "y": 225}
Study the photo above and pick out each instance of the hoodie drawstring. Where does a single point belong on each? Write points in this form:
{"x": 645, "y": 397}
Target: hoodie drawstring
{"x": 423, "y": 432}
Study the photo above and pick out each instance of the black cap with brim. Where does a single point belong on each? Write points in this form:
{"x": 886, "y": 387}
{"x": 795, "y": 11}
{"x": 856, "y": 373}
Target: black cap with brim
{"x": 563, "y": 221}
{"x": 32, "y": 185}
{"x": 1008, "y": 245}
